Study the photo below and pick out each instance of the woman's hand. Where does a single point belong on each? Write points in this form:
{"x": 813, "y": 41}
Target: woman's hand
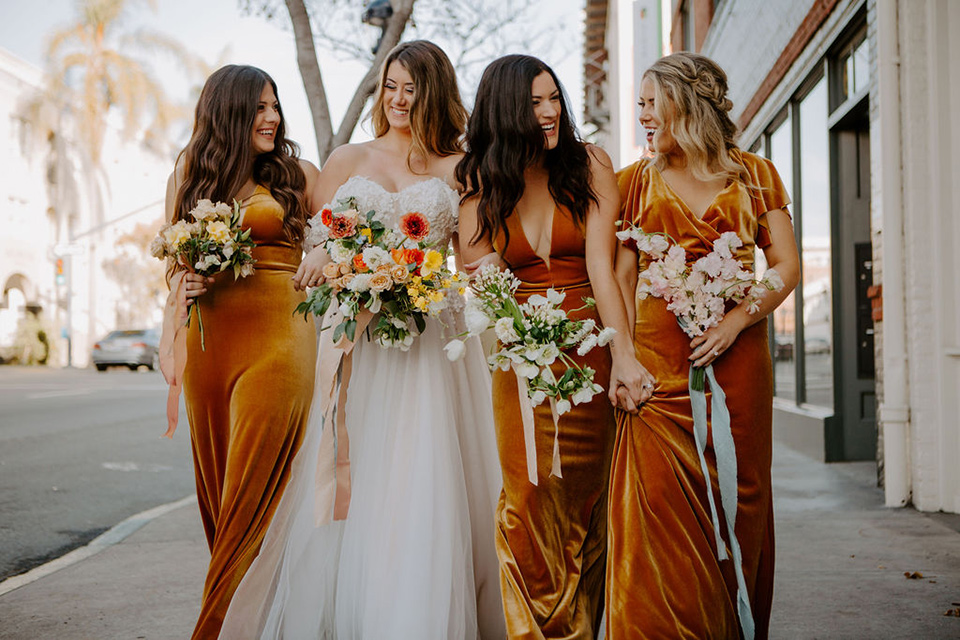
{"x": 630, "y": 384}
{"x": 715, "y": 341}
{"x": 195, "y": 285}
{"x": 310, "y": 271}
{"x": 491, "y": 258}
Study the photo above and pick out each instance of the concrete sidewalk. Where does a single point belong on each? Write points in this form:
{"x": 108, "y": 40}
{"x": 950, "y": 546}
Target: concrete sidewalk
{"x": 841, "y": 560}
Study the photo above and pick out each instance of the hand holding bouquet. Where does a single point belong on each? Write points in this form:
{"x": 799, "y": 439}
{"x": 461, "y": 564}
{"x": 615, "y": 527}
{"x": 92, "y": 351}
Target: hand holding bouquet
{"x": 212, "y": 243}
{"x": 697, "y": 293}
{"x": 533, "y": 336}
{"x": 372, "y": 268}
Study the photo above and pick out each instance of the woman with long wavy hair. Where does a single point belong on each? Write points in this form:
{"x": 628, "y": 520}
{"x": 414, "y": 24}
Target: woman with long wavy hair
{"x": 543, "y": 203}
{"x": 248, "y": 389}
{"x": 680, "y": 563}
{"x": 411, "y": 554}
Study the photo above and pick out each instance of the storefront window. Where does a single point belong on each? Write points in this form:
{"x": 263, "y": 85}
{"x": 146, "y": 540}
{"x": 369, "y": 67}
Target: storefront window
{"x": 815, "y": 243}
{"x": 784, "y": 324}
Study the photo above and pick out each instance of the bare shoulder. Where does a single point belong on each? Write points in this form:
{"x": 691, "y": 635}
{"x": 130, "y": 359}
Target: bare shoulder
{"x": 599, "y": 159}
{"x": 444, "y": 168}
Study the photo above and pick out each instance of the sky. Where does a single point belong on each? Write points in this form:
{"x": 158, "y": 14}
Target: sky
{"x": 218, "y": 32}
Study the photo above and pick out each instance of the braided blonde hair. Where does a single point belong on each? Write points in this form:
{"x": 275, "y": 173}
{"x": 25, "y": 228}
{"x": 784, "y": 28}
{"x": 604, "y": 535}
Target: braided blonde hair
{"x": 696, "y": 86}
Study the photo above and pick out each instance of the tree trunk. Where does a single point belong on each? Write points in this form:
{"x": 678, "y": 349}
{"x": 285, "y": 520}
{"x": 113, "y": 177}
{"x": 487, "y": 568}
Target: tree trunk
{"x": 402, "y": 9}
{"x": 312, "y": 80}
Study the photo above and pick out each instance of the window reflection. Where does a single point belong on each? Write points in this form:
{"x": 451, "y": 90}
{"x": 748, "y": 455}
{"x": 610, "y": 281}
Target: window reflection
{"x": 815, "y": 243}
{"x": 784, "y": 325}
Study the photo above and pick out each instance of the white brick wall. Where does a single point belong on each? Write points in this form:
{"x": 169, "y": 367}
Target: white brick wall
{"x": 754, "y": 30}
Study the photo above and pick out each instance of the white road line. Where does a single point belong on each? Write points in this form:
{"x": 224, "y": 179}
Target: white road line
{"x": 59, "y": 394}
{"x": 105, "y": 540}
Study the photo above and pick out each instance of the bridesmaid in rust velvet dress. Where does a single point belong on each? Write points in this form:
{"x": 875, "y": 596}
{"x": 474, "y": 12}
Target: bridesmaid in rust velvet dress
{"x": 544, "y": 204}
{"x": 666, "y": 577}
{"x": 248, "y": 392}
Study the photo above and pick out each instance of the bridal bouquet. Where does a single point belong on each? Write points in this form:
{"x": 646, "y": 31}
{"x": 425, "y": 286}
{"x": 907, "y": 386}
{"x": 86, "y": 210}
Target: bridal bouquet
{"x": 533, "y": 336}
{"x": 697, "y": 293}
{"x": 393, "y": 274}
{"x": 212, "y": 243}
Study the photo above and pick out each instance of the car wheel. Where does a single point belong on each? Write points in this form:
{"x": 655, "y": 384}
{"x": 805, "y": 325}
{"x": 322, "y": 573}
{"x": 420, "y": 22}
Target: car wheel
{"x": 101, "y": 368}
{"x": 133, "y": 367}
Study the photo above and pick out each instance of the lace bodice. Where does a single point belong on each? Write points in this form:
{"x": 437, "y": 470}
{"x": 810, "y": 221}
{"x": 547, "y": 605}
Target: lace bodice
{"x": 432, "y": 197}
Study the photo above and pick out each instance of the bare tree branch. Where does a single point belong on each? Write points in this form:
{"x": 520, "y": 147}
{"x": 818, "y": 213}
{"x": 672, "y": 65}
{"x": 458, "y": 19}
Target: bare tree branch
{"x": 312, "y": 79}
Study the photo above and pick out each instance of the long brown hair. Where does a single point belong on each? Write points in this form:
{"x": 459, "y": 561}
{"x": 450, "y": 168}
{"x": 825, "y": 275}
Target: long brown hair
{"x": 216, "y": 159}
{"x": 504, "y": 138}
{"x": 437, "y": 115}
{"x": 696, "y": 87}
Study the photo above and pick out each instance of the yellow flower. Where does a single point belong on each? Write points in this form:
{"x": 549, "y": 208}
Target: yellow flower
{"x": 445, "y": 283}
{"x": 455, "y": 277}
{"x": 435, "y": 296}
{"x": 366, "y": 231}
{"x": 432, "y": 262}
{"x": 177, "y": 234}
{"x": 420, "y": 303}
{"x": 218, "y": 231}
{"x": 462, "y": 290}
{"x": 412, "y": 292}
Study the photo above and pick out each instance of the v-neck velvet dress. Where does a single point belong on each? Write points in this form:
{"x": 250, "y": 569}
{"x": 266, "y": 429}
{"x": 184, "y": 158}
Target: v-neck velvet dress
{"x": 247, "y": 397}
{"x": 663, "y": 576}
{"x": 551, "y": 538}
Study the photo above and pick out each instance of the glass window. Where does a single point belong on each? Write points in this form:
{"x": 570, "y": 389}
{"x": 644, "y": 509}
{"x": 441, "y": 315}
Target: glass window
{"x": 861, "y": 67}
{"x": 815, "y": 243}
{"x": 784, "y": 325}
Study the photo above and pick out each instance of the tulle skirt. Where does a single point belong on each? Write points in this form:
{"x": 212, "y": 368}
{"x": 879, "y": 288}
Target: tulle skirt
{"x": 415, "y": 557}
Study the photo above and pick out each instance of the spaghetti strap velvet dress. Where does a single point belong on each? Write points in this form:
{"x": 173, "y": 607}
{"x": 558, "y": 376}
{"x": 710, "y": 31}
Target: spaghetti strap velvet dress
{"x": 551, "y": 537}
{"x": 247, "y": 396}
{"x": 664, "y": 579}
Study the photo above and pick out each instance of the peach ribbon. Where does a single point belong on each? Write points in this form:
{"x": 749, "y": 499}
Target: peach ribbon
{"x": 529, "y": 442}
{"x": 334, "y": 366}
{"x": 173, "y": 347}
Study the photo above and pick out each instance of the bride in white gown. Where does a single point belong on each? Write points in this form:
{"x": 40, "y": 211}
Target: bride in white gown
{"x": 415, "y": 556}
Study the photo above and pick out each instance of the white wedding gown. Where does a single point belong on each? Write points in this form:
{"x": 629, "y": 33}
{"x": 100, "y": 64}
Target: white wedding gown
{"x": 415, "y": 557}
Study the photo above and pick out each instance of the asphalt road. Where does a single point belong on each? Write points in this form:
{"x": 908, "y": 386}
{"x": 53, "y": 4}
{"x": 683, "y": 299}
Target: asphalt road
{"x": 79, "y": 452}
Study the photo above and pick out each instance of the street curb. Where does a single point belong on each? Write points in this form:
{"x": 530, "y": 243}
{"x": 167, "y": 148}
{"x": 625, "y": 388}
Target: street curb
{"x": 105, "y": 540}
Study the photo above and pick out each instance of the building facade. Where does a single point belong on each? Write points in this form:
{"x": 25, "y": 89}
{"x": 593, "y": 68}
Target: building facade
{"x": 70, "y": 265}
{"x": 852, "y": 100}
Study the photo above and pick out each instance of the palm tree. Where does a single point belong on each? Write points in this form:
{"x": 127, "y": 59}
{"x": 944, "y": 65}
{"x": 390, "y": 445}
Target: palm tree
{"x": 95, "y": 76}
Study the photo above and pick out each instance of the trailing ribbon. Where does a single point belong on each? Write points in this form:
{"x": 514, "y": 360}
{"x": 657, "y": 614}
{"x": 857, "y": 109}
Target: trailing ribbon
{"x": 173, "y": 347}
{"x": 726, "y": 454}
{"x": 334, "y": 366}
{"x": 529, "y": 442}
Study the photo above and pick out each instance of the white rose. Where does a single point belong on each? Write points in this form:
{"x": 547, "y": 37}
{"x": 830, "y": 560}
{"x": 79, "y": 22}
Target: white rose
{"x": 455, "y": 350}
{"x": 339, "y": 253}
{"x": 360, "y": 283}
{"x": 376, "y": 256}
{"x": 505, "y": 331}
{"x": 204, "y": 210}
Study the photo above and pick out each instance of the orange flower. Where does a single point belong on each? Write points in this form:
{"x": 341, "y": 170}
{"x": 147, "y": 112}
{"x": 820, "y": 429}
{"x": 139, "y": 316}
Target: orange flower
{"x": 407, "y": 256}
{"x": 359, "y": 265}
{"x": 342, "y": 227}
{"x": 415, "y": 226}
{"x": 326, "y": 216}
{"x": 331, "y": 270}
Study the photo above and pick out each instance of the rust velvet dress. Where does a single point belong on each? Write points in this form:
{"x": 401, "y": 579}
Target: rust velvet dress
{"x": 247, "y": 398}
{"x": 551, "y": 538}
{"x": 664, "y": 579}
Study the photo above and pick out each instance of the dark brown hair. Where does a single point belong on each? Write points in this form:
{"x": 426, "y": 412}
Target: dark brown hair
{"x": 220, "y": 150}
{"x": 504, "y": 138}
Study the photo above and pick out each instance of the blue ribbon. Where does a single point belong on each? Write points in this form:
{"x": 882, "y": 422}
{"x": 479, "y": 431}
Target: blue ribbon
{"x": 726, "y": 453}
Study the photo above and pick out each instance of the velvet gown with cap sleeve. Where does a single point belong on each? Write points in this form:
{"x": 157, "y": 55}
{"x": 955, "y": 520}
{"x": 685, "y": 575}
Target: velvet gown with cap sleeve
{"x": 247, "y": 397}
{"x": 551, "y": 537}
{"x": 664, "y": 579}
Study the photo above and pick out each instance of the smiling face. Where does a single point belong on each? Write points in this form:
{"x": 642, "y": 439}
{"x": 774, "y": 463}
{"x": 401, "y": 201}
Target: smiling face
{"x": 398, "y": 95}
{"x": 547, "y": 107}
{"x": 657, "y": 126}
{"x": 266, "y": 122}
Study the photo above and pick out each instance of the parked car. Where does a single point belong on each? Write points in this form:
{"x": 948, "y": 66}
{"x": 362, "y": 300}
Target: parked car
{"x": 130, "y": 347}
